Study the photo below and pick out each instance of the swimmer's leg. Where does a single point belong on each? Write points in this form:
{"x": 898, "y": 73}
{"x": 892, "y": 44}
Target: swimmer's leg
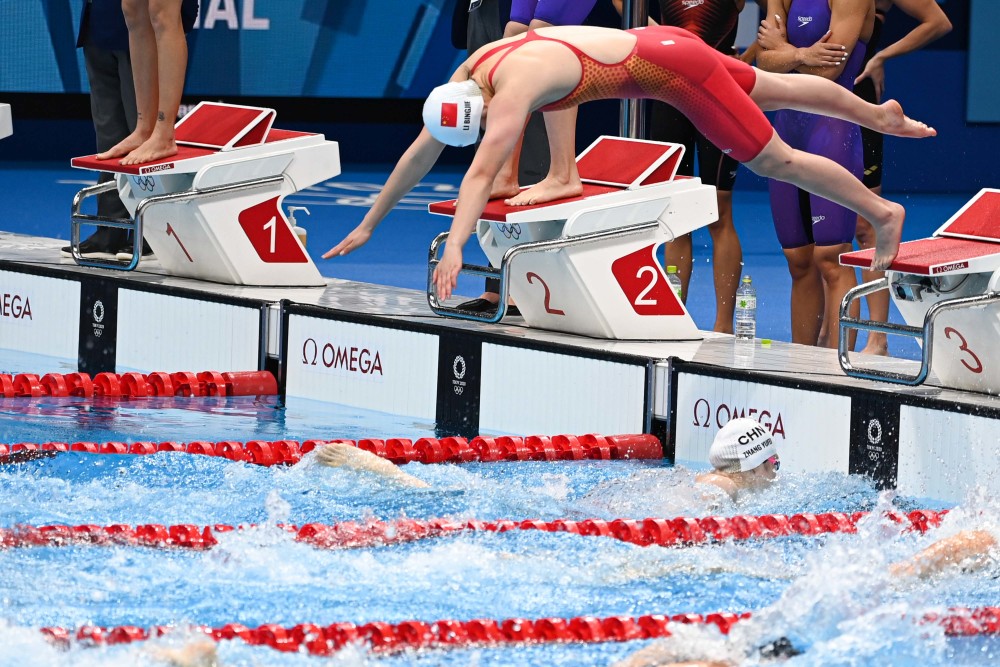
{"x": 815, "y": 94}
{"x": 824, "y": 177}
{"x": 563, "y": 180}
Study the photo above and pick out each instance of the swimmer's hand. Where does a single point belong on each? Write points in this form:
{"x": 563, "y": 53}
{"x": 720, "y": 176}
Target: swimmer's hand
{"x": 197, "y": 654}
{"x": 874, "y": 70}
{"x": 823, "y": 53}
{"x": 352, "y": 241}
{"x": 967, "y": 549}
{"x": 446, "y": 272}
{"x": 341, "y": 455}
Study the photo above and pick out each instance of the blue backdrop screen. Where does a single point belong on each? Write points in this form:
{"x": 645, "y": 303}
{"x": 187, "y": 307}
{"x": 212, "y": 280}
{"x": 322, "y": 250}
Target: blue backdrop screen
{"x": 284, "y": 48}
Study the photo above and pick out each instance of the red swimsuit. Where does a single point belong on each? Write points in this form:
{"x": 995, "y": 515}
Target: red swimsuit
{"x": 674, "y": 66}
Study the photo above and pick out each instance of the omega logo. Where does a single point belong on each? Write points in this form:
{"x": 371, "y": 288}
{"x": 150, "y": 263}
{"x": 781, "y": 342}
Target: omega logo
{"x": 705, "y": 416}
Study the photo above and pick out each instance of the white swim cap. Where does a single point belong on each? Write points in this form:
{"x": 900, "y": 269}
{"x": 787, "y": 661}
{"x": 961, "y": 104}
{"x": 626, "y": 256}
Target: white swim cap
{"x": 741, "y": 445}
{"x": 453, "y": 112}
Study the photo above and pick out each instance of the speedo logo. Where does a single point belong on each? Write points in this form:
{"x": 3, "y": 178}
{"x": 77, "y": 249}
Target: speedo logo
{"x": 804, "y": 20}
{"x": 156, "y": 167}
{"x": 691, "y": 4}
{"x": 818, "y": 219}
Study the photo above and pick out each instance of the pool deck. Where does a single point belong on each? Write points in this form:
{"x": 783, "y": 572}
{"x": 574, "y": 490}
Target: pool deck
{"x": 381, "y": 348}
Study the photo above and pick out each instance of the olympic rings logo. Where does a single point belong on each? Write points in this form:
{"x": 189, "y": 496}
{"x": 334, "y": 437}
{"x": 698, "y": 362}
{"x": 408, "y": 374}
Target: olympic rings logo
{"x": 144, "y": 183}
{"x": 510, "y": 231}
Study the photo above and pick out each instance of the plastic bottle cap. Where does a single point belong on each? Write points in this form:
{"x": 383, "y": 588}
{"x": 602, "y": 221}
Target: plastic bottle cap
{"x": 765, "y": 342}
{"x": 671, "y": 269}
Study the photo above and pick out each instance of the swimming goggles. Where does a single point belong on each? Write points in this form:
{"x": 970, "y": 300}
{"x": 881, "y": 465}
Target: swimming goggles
{"x": 776, "y": 462}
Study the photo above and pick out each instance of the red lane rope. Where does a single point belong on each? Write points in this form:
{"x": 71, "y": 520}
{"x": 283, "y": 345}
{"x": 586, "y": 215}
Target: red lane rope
{"x": 681, "y": 531}
{"x": 325, "y": 640}
{"x": 139, "y": 385}
{"x": 397, "y": 450}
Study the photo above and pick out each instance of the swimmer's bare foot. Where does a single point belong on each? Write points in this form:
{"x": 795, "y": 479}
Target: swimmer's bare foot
{"x": 876, "y": 344}
{"x": 896, "y": 123}
{"x": 154, "y": 148}
{"x": 888, "y": 232}
{"x": 504, "y": 187}
{"x": 547, "y": 190}
{"x": 124, "y": 147}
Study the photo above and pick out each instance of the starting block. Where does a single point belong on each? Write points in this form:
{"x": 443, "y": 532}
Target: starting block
{"x": 214, "y": 210}
{"x": 947, "y": 288}
{"x": 587, "y": 265}
{"x": 6, "y": 123}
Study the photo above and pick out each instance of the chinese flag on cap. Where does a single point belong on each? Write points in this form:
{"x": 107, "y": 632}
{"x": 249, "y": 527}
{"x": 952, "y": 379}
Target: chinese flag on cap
{"x": 449, "y": 114}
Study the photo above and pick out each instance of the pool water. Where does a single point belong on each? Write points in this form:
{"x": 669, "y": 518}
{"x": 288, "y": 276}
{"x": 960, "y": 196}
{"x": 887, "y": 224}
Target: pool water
{"x": 830, "y": 594}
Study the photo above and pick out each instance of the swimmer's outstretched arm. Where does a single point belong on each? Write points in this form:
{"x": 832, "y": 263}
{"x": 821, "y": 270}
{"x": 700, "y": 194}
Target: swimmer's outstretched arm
{"x": 340, "y": 455}
{"x": 506, "y": 116}
{"x": 966, "y": 547}
{"x": 196, "y": 654}
{"x": 655, "y": 655}
{"x": 415, "y": 163}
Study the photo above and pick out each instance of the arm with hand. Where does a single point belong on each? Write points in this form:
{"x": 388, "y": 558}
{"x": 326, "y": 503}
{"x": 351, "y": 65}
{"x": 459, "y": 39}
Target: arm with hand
{"x": 933, "y": 24}
{"x": 507, "y": 115}
{"x": 415, "y": 163}
{"x": 341, "y": 455}
{"x": 945, "y": 553}
{"x": 826, "y": 57}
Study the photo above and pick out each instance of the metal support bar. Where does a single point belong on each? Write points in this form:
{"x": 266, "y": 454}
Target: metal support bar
{"x": 135, "y": 224}
{"x": 924, "y": 334}
{"x": 635, "y": 14}
{"x": 503, "y": 272}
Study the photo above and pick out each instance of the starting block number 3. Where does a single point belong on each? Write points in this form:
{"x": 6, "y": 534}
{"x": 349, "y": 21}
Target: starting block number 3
{"x": 645, "y": 286}
{"x": 269, "y": 234}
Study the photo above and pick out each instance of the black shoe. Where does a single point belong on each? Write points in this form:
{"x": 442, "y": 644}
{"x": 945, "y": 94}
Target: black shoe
{"x": 125, "y": 254}
{"x": 481, "y": 305}
{"x": 102, "y": 244}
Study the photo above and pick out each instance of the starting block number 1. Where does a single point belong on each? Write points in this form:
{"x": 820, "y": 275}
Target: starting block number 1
{"x": 269, "y": 234}
{"x": 645, "y": 286}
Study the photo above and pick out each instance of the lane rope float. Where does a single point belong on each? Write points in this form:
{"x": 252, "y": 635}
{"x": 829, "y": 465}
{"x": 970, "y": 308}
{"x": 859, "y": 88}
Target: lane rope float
{"x": 680, "y": 531}
{"x": 408, "y": 635}
{"x": 398, "y": 450}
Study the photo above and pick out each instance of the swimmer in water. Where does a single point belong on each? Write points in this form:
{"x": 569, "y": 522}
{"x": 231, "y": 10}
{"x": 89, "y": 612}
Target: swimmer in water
{"x": 743, "y": 457}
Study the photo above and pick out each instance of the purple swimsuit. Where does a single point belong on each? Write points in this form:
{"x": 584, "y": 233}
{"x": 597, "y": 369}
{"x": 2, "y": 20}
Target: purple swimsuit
{"x": 800, "y": 218}
{"x": 556, "y": 12}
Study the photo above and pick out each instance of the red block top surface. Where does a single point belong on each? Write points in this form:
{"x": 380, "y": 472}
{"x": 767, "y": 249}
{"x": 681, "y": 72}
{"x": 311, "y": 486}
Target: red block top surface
{"x": 497, "y": 211}
{"x": 919, "y": 257}
{"x": 981, "y": 220}
{"x": 183, "y": 153}
{"x": 619, "y": 161}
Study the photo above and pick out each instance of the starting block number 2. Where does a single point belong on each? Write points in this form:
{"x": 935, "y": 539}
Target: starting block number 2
{"x": 645, "y": 286}
{"x": 269, "y": 234}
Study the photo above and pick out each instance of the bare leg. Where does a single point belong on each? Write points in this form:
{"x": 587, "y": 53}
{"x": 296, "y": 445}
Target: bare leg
{"x": 817, "y": 95}
{"x": 563, "y": 180}
{"x": 807, "y": 295}
{"x": 878, "y": 302}
{"x": 171, "y": 63}
{"x": 824, "y": 177}
{"x": 727, "y": 262}
{"x": 680, "y": 253}
{"x": 142, "y": 48}
{"x": 837, "y": 280}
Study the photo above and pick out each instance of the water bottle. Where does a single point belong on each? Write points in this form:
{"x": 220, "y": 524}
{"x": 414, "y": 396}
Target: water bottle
{"x": 675, "y": 281}
{"x": 746, "y": 310}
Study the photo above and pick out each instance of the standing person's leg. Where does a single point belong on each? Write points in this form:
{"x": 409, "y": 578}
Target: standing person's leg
{"x": 878, "y": 302}
{"x": 668, "y": 124}
{"x": 142, "y": 50}
{"x": 171, "y": 64}
{"x": 718, "y": 169}
{"x": 793, "y": 227}
{"x": 112, "y": 109}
